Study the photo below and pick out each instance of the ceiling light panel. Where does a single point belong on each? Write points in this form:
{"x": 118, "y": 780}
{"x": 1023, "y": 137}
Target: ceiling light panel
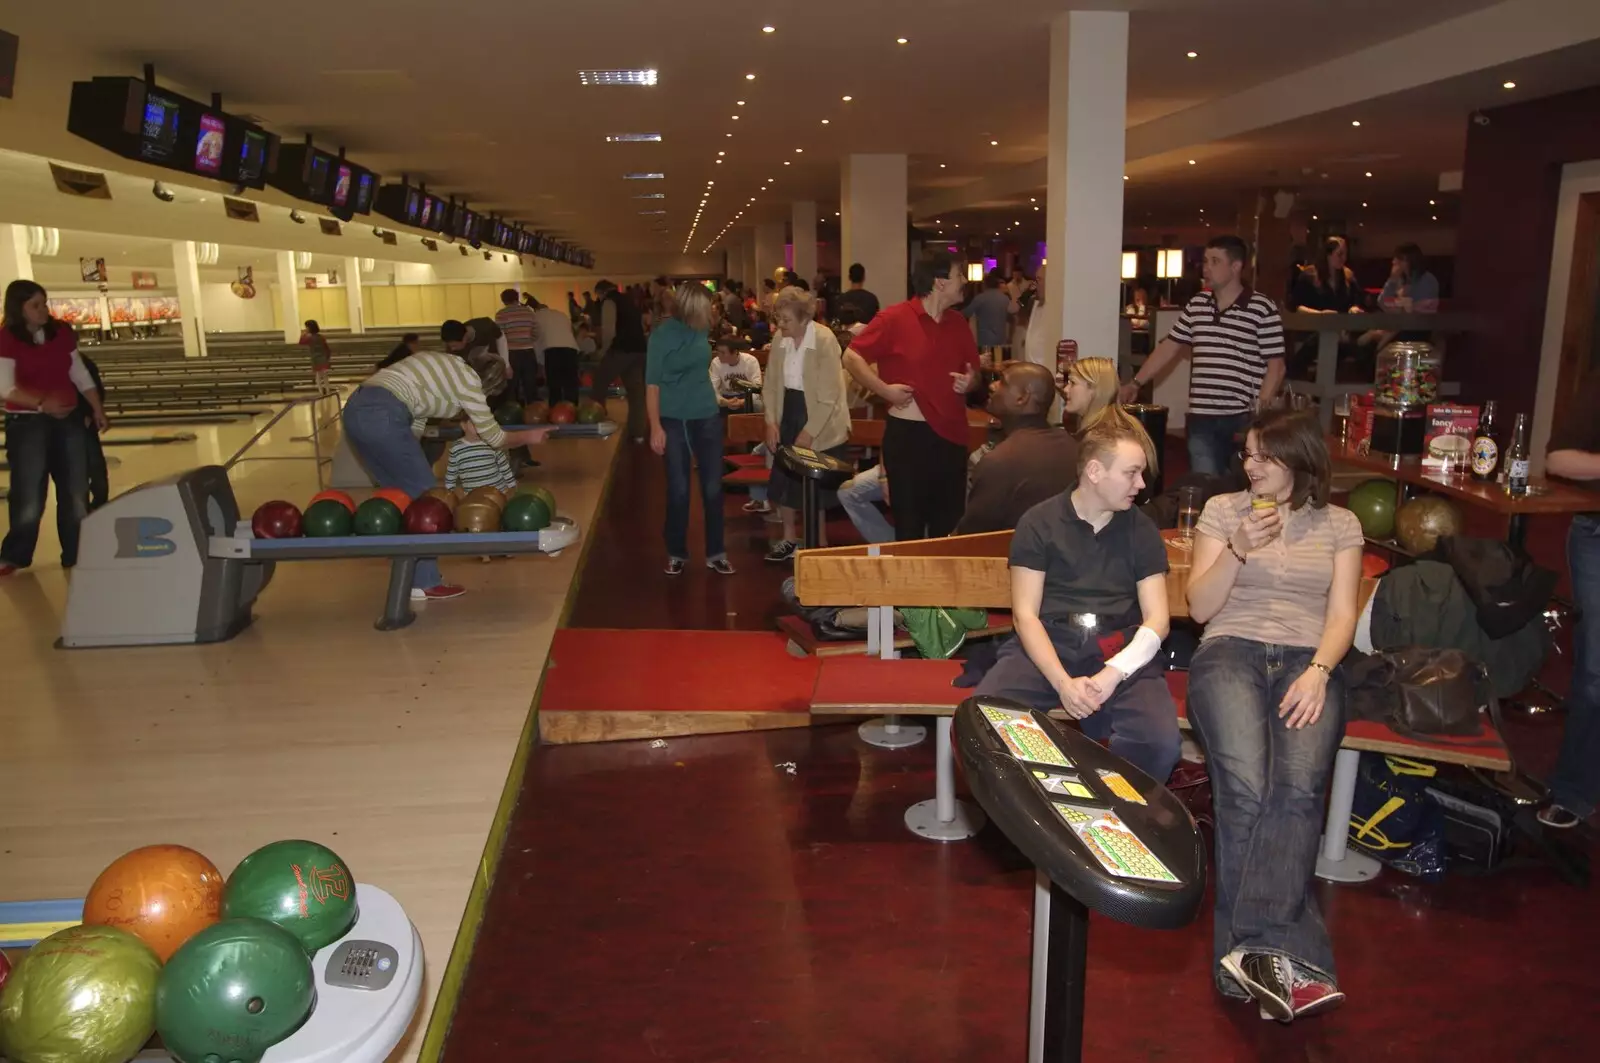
{"x": 634, "y": 138}
{"x": 617, "y": 77}
{"x": 644, "y": 177}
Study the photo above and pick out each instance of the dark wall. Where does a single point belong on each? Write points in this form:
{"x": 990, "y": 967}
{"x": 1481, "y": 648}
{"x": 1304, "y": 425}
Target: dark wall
{"x": 1510, "y": 183}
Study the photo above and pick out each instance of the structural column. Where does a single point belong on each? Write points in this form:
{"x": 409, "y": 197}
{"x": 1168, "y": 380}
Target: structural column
{"x": 803, "y": 223}
{"x": 186, "y": 264}
{"x": 747, "y": 254}
{"x": 769, "y": 250}
{"x": 873, "y": 228}
{"x": 16, "y": 264}
{"x": 352, "y": 294}
{"x": 1266, "y": 218}
{"x": 288, "y": 297}
{"x": 1088, "y": 145}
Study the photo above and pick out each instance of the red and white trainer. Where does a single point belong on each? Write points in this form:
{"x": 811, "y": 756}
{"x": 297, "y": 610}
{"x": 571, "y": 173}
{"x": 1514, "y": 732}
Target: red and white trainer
{"x": 440, "y": 593}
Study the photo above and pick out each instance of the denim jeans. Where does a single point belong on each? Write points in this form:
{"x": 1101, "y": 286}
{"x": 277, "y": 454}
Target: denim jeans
{"x": 1575, "y": 786}
{"x": 42, "y": 449}
{"x": 1267, "y": 783}
{"x": 697, "y": 441}
{"x": 378, "y": 426}
{"x": 857, "y": 496}
{"x": 1139, "y": 722}
{"x": 1213, "y": 441}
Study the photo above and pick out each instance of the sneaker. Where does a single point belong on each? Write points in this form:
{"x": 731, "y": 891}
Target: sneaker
{"x": 1310, "y": 995}
{"x": 437, "y": 594}
{"x": 783, "y": 551}
{"x": 674, "y": 566}
{"x": 758, "y": 505}
{"x": 1551, "y": 815}
{"x": 1266, "y": 977}
{"x": 720, "y": 566}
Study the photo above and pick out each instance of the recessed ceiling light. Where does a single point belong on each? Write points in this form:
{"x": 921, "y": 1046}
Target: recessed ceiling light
{"x": 1355, "y": 122}
{"x": 769, "y": 29}
{"x": 652, "y": 212}
{"x": 728, "y": 134}
{"x": 786, "y": 162}
{"x": 1430, "y": 202}
{"x": 1192, "y": 55}
{"x": 734, "y": 117}
{"x": 1435, "y": 217}
{"x": 1313, "y": 217}
{"x": 1124, "y": 177}
{"x": 644, "y": 177}
{"x": 738, "y": 103}
{"x": 1363, "y": 204}
{"x": 634, "y": 138}
{"x": 941, "y": 166}
{"x": 749, "y": 77}
{"x": 901, "y": 40}
{"x": 617, "y": 77}
{"x": 824, "y": 121}
{"x": 1035, "y": 208}
{"x": 708, "y": 183}
{"x": 847, "y": 99}
{"x": 719, "y": 162}
{"x": 722, "y": 153}
{"x": 1369, "y": 173}
{"x": 651, "y": 195}
{"x": 994, "y": 143}
{"x": 1505, "y": 85}
{"x": 799, "y": 151}
{"x": 835, "y": 214}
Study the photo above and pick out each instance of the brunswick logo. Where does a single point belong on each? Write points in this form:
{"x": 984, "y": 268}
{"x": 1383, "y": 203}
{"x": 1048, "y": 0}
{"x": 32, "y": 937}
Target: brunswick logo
{"x": 143, "y": 537}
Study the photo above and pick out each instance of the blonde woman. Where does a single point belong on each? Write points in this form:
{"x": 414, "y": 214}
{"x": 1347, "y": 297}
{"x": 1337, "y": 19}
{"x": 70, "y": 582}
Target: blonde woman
{"x": 1090, "y": 394}
{"x": 804, "y": 399}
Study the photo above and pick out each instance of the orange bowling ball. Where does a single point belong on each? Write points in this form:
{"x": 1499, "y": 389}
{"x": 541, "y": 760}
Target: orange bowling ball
{"x": 162, "y": 894}
{"x": 400, "y": 499}
{"x": 338, "y": 496}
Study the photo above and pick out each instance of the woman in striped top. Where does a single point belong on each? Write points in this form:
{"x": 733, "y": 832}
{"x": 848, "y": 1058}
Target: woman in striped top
{"x": 384, "y": 420}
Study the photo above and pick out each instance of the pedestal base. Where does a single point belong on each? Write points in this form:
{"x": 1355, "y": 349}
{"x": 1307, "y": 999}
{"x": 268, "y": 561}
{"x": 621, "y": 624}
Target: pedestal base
{"x": 886, "y": 732}
{"x": 1353, "y": 867}
{"x": 923, "y": 820}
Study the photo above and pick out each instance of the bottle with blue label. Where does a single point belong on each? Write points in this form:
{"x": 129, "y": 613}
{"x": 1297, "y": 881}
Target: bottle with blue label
{"x": 1485, "y": 451}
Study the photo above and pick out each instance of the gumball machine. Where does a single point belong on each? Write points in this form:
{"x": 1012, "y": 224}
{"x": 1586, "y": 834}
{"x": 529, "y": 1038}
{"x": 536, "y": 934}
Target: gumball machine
{"x": 1407, "y": 381}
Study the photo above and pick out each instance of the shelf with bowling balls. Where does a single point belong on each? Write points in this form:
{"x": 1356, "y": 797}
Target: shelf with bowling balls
{"x": 587, "y": 419}
{"x": 286, "y": 960}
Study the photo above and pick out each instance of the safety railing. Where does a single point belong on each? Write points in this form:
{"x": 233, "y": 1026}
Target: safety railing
{"x": 320, "y": 454}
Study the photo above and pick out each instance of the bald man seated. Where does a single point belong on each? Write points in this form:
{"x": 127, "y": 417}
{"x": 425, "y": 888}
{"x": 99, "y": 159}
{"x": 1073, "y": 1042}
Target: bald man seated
{"x": 1033, "y": 460}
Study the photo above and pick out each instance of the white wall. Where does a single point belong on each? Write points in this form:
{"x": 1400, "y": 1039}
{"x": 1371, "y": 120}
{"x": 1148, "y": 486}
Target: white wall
{"x": 226, "y": 312}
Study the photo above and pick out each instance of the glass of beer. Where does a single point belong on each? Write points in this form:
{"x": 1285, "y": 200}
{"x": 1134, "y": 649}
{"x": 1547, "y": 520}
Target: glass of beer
{"x": 1188, "y": 512}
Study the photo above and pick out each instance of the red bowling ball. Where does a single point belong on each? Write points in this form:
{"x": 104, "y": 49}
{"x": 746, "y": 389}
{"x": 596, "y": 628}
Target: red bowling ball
{"x": 563, "y": 413}
{"x": 428, "y": 516}
{"x": 276, "y": 520}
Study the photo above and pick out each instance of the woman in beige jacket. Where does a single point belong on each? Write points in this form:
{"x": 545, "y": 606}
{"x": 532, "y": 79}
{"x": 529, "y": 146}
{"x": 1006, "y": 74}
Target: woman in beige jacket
{"x": 805, "y": 400}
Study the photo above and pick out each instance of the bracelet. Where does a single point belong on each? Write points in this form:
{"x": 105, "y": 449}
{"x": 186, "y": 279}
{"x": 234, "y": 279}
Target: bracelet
{"x": 1234, "y": 550}
{"x": 1324, "y": 669}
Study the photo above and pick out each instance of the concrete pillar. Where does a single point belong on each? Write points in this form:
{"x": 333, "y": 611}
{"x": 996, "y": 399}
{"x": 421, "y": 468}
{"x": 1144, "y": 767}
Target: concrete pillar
{"x": 352, "y": 294}
{"x": 769, "y": 250}
{"x": 803, "y": 222}
{"x": 16, "y": 264}
{"x": 289, "y": 297}
{"x": 752, "y": 275}
{"x": 186, "y": 265}
{"x": 1087, "y": 131}
{"x": 872, "y": 222}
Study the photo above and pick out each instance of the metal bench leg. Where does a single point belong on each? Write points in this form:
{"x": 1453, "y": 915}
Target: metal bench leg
{"x": 1060, "y": 974}
{"x": 943, "y": 818}
{"x": 397, "y": 606}
{"x": 1338, "y": 862}
{"x": 886, "y": 732}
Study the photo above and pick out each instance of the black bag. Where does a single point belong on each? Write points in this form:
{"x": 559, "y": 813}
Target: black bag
{"x": 1392, "y": 819}
{"x": 1419, "y": 690}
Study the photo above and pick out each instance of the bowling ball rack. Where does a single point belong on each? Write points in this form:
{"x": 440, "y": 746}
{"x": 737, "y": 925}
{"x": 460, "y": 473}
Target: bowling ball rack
{"x": 403, "y": 552}
{"x": 598, "y": 430}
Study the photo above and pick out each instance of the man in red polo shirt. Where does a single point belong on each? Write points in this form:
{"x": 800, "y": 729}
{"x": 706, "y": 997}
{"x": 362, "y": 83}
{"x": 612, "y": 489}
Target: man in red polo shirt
{"x": 926, "y": 361}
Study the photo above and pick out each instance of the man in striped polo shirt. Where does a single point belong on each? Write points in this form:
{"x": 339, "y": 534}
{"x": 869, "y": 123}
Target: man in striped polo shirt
{"x": 1236, "y": 339}
{"x": 517, "y": 323}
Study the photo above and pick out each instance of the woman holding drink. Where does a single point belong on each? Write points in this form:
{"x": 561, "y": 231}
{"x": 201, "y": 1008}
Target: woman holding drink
{"x": 1275, "y": 578}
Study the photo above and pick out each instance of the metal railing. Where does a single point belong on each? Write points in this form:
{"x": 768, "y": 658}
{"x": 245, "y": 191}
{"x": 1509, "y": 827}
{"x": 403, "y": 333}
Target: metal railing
{"x": 323, "y": 456}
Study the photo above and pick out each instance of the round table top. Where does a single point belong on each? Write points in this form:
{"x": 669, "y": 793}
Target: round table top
{"x": 807, "y": 464}
{"x": 1104, "y": 831}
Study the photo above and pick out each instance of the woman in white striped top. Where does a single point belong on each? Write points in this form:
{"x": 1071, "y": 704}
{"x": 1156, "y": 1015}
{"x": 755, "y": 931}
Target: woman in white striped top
{"x": 384, "y": 420}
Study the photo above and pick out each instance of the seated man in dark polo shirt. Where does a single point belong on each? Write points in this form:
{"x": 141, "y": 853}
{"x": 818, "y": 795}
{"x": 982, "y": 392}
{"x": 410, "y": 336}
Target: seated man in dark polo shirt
{"x": 1033, "y": 460}
{"x": 1089, "y": 604}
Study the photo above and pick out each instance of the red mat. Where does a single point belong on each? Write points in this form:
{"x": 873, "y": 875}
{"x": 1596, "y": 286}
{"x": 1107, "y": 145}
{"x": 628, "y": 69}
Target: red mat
{"x": 614, "y": 670}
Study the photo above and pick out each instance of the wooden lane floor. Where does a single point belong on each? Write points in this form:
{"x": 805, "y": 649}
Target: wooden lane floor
{"x": 393, "y": 748}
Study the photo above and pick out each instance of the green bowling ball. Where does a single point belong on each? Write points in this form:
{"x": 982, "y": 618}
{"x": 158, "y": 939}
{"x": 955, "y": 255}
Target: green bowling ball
{"x": 302, "y": 886}
{"x": 232, "y": 991}
{"x": 86, "y": 994}
{"x": 508, "y": 413}
{"x": 525, "y": 513}
{"x": 376, "y": 516}
{"x": 541, "y": 492}
{"x": 326, "y": 519}
{"x": 1372, "y": 501}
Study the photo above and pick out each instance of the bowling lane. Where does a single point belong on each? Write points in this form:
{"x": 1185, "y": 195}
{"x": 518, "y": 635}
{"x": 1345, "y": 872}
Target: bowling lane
{"x": 392, "y": 748}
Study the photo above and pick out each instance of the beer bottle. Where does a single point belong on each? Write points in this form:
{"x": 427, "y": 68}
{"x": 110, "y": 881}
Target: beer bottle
{"x": 1517, "y": 459}
{"x": 1485, "y": 451}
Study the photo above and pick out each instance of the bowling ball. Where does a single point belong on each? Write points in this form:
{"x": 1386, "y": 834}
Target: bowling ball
{"x": 233, "y": 991}
{"x": 428, "y": 516}
{"x": 508, "y": 413}
{"x": 376, "y": 516}
{"x": 488, "y": 495}
{"x": 477, "y": 517}
{"x": 302, "y": 886}
{"x": 327, "y": 518}
{"x": 400, "y": 499}
{"x": 338, "y": 496}
{"x": 563, "y": 413}
{"x": 86, "y": 994}
{"x": 541, "y": 492}
{"x": 1421, "y": 521}
{"x": 445, "y": 495}
{"x": 526, "y": 513}
{"x": 1372, "y": 501}
{"x": 536, "y": 413}
{"x": 276, "y": 520}
{"x": 590, "y": 412}
{"x": 162, "y": 894}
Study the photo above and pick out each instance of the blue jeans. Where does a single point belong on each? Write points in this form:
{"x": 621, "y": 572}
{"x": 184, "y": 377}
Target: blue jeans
{"x": 1267, "y": 785}
{"x": 857, "y": 496}
{"x": 1139, "y": 722}
{"x": 1213, "y": 441}
{"x": 1575, "y": 786}
{"x": 698, "y": 441}
{"x": 378, "y": 426}
{"x": 41, "y": 449}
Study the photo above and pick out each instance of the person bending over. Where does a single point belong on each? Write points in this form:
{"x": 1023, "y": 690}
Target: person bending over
{"x": 1032, "y": 462}
{"x": 1089, "y": 606}
{"x": 1275, "y": 580}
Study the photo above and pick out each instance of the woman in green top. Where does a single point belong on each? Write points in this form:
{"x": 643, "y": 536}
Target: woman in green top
{"x": 685, "y": 424}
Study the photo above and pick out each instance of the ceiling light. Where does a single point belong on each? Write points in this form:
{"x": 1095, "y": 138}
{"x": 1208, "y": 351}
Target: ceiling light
{"x": 634, "y": 138}
{"x": 901, "y": 40}
{"x": 652, "y": 212}
{"x": 1355, "y": 122}
{"x": 644, "y": 177}
{"x": 824, "y": 121}
{"x": 719, "y": 162}
{"x": 1192, "y": 55}
{"x": 711, "y": 182}
{"x": 729, "y": 134}
{"x": 1430, "y": 202}
{"x": 1035, "y": 208}
{"x": 1363, "y": 204}
{"x": 1369, "y": 173}
{"x": 1033, "y": 199}
{"x": 617, "y": 77}
{"x": 799, "y": 151}
{"x": 1313, "y": 217}
{"x": 786, "y": 162}
{"x": 722, "y": 153}
{"x": 1191, "y": 162}
{"x": 994, "y": 143}
{"x": 738, "y": 103}
{"x": 835, "y": 214}
{"x": 847, "y": 99}
{"x": 749, "y": 77}
{"x": 941, "y": 166}
{"x": 769, "y": 29}
{"x": 1124, "y": 177}
{"x": 1435, "y": 217}
{"x": 734, "y": 117}
{"x": 651, "y": 195}
{"x": 1508, "y": 85}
